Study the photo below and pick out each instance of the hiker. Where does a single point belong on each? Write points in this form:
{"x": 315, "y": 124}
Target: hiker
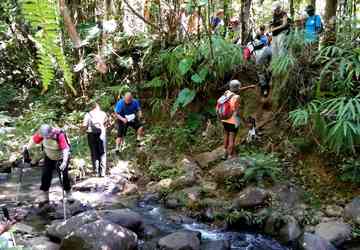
{"x": 183, "y": 19}
{"x": 234, "y": 30}
{"x": 262, "y": 54}
{"x": 128, "y": 114}
{"x": 56, "y": 149}
{"x": 228, "y": 110}
{"x": 313, "y": 25}
{"x": 280, "y": 28}
{"x": 6, "y": 226}
{"x": 195, "y": 23}
{"x": 95, "y": 125}
{"x": 263, "y": 37}
{"x": 217, "y": 21}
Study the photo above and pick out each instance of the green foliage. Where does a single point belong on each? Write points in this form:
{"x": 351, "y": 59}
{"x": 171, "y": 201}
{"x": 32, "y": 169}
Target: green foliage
{"x": 350, "y": 170}
{"x": 282, "y": 65}
{"x": 336, "y": 121}
{"x": 245, "y": 217}
{"x": 7, "y": 93}
{"x": 44, "y": 14}
{"x": 159, "y": 171}
{"x": 185, "y": 97}
{"x": 265, "y": 165}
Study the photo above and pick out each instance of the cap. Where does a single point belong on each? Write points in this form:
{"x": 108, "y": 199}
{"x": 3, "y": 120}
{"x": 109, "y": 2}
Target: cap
{"x": 234, "y": 85}
{"x": 276, "y": 5}
{"x": 45, "y": 130}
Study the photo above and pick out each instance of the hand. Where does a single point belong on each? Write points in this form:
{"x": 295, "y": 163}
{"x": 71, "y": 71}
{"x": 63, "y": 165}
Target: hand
{"x": 62, "y": 166}
{"x": 124, "y": 120}
{"x": 4, "y": 227}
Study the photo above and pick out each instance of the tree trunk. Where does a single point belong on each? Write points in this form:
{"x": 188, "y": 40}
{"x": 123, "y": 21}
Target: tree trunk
{"x": 244, "y": 20}
{"x": 313, "y": 3}
{"x": 330, "y": 21}
{"x": 292, "y": 9}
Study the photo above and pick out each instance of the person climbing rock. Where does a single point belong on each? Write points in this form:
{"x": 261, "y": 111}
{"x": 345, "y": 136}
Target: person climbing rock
{"x": 128, "y": 114}
{"x": 228, "y": 110}
{"x": 280, "y": 27}
{"x": 313, "y": 25}
{"x": 95, "y": 125}
{"x": 56, "y": 149}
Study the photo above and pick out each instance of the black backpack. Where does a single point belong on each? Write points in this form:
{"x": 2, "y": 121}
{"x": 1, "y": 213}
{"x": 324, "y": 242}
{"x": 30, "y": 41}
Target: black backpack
{"x": 94, "y": 129}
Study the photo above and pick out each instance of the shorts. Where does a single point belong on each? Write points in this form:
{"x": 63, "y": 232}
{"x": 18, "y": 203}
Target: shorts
{"x": 228, "y": 127}
{"x": 122, "y": 127}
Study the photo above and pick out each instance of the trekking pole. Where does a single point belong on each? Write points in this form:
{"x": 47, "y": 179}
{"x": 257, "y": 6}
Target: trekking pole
{"x": 61, "y": 178}
{"x": 25, "y": 161}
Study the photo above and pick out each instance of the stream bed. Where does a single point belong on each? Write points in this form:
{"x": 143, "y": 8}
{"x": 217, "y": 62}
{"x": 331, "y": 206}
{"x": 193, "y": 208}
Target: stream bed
{"x": 151, "y": 211}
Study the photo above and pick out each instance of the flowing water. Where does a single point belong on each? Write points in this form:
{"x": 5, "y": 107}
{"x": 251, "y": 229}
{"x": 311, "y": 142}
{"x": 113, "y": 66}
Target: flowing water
{"x": 151, "y": 211}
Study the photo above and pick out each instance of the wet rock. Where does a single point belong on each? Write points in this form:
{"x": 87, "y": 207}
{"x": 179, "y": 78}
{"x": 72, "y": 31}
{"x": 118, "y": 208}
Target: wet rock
{"x": 130, "y": 189}
{"x": 232, "y": 168}
{"x": 314, "y": 242}
{"x": 39, "y": 243}
{"x": 216, "y": 245}
{"x": 207, "y": 158}
{"x": 180, "y": 219}
{"x": 192, "y": 194}
{"x": 60, "y": 229}
{"x": 95, "y": 184}
{"x": 125, "y": 218}
{"x": 334, "y": 211}
{"x": 208, "y": 186}
{"x": 184, "y": 240}
{"x": 250, "y": 197}
{"x": 157, "y": 187}
{"x": 191, "y": 174}
{"x": 291, "y": 231}
{"x": 334, "y": 231}
{"x": 150, "y": 232}
{"x": 100, "y": 234}
{"x": 352, "y": 210}
{"x": 73, "y": 207}
{"x": 173, "y": 203}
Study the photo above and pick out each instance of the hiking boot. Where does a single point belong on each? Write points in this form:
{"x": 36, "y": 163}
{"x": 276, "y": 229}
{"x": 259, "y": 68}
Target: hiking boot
{"x": 43, "y": 198}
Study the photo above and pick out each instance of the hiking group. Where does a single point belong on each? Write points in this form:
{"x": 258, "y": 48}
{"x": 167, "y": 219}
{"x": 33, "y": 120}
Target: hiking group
{"x": 127, "y": 111}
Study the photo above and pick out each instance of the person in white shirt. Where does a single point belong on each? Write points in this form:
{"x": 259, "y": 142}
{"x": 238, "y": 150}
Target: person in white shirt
{"x": 95, "y": 126}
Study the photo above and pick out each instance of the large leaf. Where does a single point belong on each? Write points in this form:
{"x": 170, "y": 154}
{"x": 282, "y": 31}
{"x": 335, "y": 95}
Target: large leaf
{"x": 185, "y": 65}
{"x": 185, "y": 97}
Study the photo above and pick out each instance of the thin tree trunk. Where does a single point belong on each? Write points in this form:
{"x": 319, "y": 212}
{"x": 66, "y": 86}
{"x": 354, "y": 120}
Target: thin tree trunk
{"x": 313, "y": 3}
{"x": 330, "y": 21}
{"x": 244, "y": 20}
{"x": 292, "y": 9}
{"x": 75, "y": 38}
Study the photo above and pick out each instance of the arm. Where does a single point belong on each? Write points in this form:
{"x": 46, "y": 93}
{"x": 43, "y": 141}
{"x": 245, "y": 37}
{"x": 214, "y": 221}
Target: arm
{"x": 4, "y": 227}
{"x": 284, "y": 24}
{"x": 85, "y": 123}
{"x": 248, "y": 87}
{"x": 123, "y": 119}
{"x": 117, "y": 111}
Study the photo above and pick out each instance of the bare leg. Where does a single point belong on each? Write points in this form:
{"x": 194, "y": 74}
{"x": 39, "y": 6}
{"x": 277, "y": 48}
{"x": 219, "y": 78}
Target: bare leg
{"x": 140, "y": 133}
{"x": 231, "y": 145}
{"x": 226, "y": 142}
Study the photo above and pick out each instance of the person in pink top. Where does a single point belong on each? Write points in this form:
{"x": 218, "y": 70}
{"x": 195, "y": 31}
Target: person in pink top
{"x": 56, "y": 149}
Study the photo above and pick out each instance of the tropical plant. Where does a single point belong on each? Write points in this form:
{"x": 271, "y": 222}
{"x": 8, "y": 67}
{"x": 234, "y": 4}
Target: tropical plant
{"x": 43, "y": 17}
{"x": 350, "y": 170}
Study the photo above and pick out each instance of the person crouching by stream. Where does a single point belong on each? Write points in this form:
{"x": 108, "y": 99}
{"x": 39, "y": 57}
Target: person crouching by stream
{"x": 95, "y": 125}
{"x": 128, "y": 114}
{"x": 56, "y": 149}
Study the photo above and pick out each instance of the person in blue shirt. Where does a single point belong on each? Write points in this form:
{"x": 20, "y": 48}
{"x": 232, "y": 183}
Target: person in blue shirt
{"x": 263, "y": 37}
{"x": 313, "y": 25}
{"x": 128, "y": 114}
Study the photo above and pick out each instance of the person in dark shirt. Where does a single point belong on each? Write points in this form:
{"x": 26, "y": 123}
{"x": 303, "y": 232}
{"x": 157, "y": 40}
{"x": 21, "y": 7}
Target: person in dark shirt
{"x": 279, "y": 29}
{"x": 128, "y": 114}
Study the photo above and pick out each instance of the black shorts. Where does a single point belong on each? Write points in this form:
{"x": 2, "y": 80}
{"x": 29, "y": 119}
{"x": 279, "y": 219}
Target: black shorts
{"x": 122, "y": 127}
{"x": 228, "y": 127}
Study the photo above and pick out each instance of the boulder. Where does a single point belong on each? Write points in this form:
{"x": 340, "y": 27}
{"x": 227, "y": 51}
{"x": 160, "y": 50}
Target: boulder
{"x": 157, "y": 187}
{"x": 130, "y": 189}
{"x": 192, "y": 173}
{"x": 352, "y": 210}
{"x": 100, "y": 234}
{"x": 232, "y": 168}
{"x": 125, "y": 218}
{"x": 207, "y": 158}
{"x": 291, "y": 231}
{"x": 334, "y": 231}
{"x": 73, "y": 207}
{"x": 288, "y": 196}
{"x": 184, "y": 240}
{"x": 193, "y": 193}
{"x": 216, "y": 245}
{"x": 314, "y": 242}
{"x": 251, "y": 197}
{"x": 60, "y": 229}
{"x": 150, "y": 232}
{"x": 334, "y": 211}
{"x": 39, "y": 243}
{"x": 95, "y": 184}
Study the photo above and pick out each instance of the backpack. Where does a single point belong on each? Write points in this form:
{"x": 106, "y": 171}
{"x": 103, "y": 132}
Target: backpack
{"x": 321, "y": 28}
{"x": 223, "y": 107}
{"x": 66, "y": 138}
{"x": 94, "y": 129}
